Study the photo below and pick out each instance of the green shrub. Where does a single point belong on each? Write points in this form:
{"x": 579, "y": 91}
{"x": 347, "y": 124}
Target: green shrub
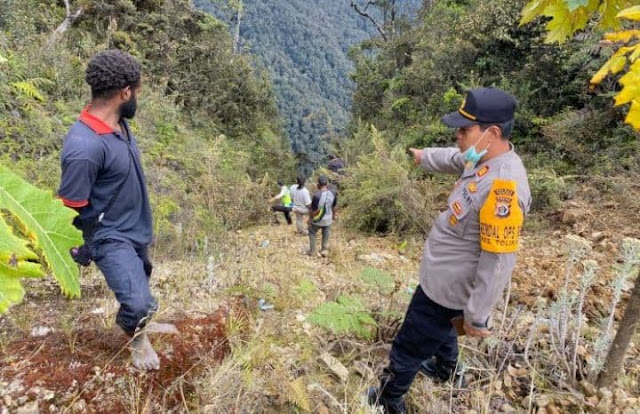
{"x": 381, "y": 196}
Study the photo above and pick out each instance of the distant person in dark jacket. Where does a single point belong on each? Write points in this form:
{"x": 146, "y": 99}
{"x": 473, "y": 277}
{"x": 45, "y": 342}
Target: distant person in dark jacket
{"x": 335, "y": 165}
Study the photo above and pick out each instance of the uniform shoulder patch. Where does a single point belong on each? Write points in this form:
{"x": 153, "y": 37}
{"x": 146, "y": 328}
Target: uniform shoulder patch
{"x": 501, "y": 218}
{"x": 483, "y": 171}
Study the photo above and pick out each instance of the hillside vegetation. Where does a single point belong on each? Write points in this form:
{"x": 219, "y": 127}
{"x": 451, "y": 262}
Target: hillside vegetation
{"x": 208, "y": 125}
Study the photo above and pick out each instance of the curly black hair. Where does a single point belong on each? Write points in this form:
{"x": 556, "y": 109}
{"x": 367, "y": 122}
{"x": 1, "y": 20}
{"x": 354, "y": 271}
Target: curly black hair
{"x": 110, "y": 71}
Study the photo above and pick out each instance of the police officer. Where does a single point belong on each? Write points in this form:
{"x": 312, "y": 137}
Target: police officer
{"x": 470, "y": 252}
{"x": 102, "y": 178}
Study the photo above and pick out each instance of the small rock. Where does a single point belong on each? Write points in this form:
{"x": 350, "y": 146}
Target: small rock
{"x": 507, "y": 408}
{"x": 263, "y": 305}
{"x": 29, "y": 408}
{"x": 363, "y": 370}
{"x": 598, "y": 236}
{"x": 322, "y": 409}
{"x": 264, "y": 244}
{"x": 551, "y": 409}
{"x": 605, "y": 394}
{"x": 8, "y": 401}
{"x": 542, "y": 410}
{"x": 22, "y": 400}
{"x": 527, "y": 402}
{"x": 619, "y": 396}
{"x": 48, "y": 395}
{"x": 593, "y": 400}
{"x": 79, "y": 406}
{"x": 588, "y": 388}
{"x": 603, "y": 407}
{"x": 335, "y": 366}
{"x": 570, "y": 217}
{"x": 38, "y": 331}
{"x": 53, "y": 408}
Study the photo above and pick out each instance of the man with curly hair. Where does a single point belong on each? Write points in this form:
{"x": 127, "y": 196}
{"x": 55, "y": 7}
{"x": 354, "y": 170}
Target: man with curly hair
{"x": 102, "y": 178}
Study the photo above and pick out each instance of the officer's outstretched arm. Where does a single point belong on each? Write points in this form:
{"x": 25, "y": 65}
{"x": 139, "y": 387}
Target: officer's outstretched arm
{"x": 443, "y": 160}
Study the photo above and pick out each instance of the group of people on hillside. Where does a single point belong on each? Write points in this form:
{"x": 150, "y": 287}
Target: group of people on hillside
{"x": 468, "y": 257}
{"x": 319, "y": 211}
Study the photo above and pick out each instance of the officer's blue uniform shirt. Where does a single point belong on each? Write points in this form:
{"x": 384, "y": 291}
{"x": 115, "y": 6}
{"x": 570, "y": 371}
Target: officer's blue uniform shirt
{"x": 95, "y": 161}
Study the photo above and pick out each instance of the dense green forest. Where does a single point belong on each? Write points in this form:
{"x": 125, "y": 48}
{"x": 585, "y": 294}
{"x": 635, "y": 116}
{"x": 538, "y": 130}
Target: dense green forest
{"x": 304, "y": 46}
{"x": 208, "y": 124}
{"x": 566, "y": 131}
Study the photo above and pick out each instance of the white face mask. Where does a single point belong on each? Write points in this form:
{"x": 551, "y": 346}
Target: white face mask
{"x": 472, "y": 156}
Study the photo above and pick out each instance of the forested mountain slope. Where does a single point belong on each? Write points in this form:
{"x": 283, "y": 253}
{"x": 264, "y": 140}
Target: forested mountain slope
{"x": 304, "y": 45}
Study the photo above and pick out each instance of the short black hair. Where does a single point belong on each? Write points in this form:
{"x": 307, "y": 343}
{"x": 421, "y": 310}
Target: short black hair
{"x": 300, "y": 181}
{"x": 110, "y": 71}
{"x": 505, "y": 127}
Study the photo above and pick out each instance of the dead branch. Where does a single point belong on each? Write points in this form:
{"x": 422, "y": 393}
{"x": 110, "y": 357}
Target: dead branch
{"x": 68, "y": 21}
{"x": 365, "y": 13}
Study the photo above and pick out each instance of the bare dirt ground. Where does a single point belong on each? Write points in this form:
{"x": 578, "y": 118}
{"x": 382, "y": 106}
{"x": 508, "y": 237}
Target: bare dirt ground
{"x": 237, "y": 354}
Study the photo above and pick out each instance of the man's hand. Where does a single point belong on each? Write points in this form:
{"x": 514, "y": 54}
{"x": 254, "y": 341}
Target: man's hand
{"x": 417, "y": 155}
{"x": 471, "y": 331}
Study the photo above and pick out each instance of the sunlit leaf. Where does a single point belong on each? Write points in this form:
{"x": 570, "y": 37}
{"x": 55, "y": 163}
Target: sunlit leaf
{"x": 632, "y": 13}
{"x": 47, "y": 224}
{"x": 633, "y": 117}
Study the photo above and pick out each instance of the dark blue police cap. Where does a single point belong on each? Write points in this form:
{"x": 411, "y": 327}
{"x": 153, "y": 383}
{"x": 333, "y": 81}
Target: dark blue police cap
{"x": 482, "y": 106}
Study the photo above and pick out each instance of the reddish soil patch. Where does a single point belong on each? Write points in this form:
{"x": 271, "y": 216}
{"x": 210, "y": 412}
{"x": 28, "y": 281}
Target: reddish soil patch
{"x": 93, "y": 365}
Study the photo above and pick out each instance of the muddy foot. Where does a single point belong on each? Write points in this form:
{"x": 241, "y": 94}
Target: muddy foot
{"x": 161, "y": 328}
{"x": 142, "y": 353}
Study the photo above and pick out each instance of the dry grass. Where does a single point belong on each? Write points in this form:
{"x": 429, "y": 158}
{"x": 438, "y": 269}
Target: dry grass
{"x": 273, "y": 365}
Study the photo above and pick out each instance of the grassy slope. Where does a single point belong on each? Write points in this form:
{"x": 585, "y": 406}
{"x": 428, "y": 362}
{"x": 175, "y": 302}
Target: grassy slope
{"x": 272, "y": 359}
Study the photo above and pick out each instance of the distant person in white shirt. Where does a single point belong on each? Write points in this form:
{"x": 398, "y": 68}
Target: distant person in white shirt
{"x": 301, "y": 203}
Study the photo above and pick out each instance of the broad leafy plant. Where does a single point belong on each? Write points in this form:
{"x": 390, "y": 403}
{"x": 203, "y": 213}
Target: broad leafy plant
{"x": 570, "y": 16}
{"x": 35, "y": 237}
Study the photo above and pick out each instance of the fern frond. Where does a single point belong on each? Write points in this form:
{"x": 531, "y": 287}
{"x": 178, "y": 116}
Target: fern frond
{"x": 298, "y": 394}
{"x": 27, "y": 89}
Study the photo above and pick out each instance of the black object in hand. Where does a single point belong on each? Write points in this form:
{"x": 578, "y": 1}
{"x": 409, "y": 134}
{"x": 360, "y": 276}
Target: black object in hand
{"x": 81, "y": 255}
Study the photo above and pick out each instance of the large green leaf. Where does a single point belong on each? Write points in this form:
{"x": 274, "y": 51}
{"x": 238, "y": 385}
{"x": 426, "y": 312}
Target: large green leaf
{"x": 47, "y": 224}
{"x": 15, "y": 263}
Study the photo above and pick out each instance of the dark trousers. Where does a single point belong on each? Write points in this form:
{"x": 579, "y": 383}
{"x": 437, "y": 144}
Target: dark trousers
{"x": 285, "y": 210}
{"x": 426, "y": 332}
{"x": 127, "y": 270}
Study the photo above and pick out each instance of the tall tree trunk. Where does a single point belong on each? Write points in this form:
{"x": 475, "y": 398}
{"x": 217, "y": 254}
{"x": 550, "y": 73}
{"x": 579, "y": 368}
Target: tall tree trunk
{"x": 627, "y": 328}
{"x": 236, "y": 36}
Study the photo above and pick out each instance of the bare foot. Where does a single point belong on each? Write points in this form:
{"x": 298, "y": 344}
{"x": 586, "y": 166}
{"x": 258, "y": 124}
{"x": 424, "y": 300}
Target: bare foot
{"x": 142, "y": 353}
{"x": 161, "y": 328}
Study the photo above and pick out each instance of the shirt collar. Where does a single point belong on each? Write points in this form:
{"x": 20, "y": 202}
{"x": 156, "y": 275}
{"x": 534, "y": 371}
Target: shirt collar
{"x": 472, "y": 171}
{"x": 96, "y": 124}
